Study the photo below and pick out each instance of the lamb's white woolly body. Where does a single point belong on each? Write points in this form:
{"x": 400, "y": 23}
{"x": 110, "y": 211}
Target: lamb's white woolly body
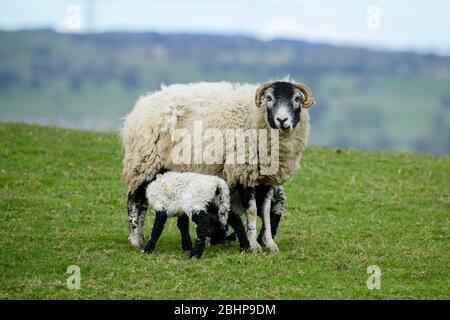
{"x": 148, "y": 131}
{"x": 178, "y": 193}
{"x": 186, "y": 192}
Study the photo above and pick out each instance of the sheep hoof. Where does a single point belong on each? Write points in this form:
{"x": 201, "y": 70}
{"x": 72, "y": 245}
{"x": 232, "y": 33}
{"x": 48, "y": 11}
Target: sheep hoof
{"x": 146, "y": 251}
{"x": 137, "y": 244}
{"x": 149, "y": 248}
{"x": 271, "y": 245}
{"x": 254, "y": 246}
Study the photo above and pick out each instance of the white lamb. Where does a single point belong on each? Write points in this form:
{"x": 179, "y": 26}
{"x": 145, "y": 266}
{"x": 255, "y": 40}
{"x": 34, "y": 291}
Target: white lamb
{"x": 200, "y": 198}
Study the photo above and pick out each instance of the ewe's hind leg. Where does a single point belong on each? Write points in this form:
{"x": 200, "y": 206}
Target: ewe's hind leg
{"x": 251, "y": 211}
{"x": 201, "y": 220}
{"x": 277, "y": 208}
{"x": 274, "y": 222}
{"x": 276, "y": 211}
{"x": 183, "y": 225}
{"x": 267, "y": 238}
{"x": 137, "y": 210}
{"x": 158, "y": 227}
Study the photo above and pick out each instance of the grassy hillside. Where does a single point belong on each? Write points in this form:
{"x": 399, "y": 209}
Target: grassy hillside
{"x": 62, "y": 202}
{"x": 365, "y": 99}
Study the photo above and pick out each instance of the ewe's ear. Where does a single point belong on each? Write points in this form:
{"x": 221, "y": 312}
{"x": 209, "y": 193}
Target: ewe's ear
{"x": 260, "y": 92}
{"x": 309, "y": 99}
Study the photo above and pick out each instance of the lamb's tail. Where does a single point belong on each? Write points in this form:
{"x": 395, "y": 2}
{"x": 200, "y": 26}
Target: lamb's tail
{"x": 223, "y": 193}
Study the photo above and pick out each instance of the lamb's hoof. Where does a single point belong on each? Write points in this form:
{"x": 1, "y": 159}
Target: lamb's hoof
{"x": 196, "y": 253}
{"x": 147, "y": 250}
{"x": 254, "y": 246}
{"x": 271, "y": 245}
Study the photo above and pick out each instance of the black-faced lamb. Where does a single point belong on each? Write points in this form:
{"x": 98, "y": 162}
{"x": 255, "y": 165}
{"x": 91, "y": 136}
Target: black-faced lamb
{"x": 200, "y": 198}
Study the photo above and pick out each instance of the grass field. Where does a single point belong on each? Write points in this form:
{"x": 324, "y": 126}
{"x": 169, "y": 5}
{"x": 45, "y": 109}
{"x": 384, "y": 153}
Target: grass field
{"x": 62, "y": 203}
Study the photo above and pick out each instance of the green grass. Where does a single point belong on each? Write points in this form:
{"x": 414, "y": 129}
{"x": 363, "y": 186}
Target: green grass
{"x": 62, "y": 203}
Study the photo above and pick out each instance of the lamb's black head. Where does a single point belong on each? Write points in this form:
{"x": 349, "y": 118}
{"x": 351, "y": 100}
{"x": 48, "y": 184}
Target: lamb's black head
{"x": 283, "y": 102}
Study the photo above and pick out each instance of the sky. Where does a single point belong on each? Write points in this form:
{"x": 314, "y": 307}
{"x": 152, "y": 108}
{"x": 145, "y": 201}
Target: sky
{"x": 405, "y": 25}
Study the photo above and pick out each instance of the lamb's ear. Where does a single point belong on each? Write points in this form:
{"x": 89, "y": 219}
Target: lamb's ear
{"x": 260, "y": 92}
{"x": 309, "y": 99}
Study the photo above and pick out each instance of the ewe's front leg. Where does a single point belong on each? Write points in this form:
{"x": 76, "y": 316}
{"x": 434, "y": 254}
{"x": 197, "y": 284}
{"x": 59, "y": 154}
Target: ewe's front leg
{"x": 251, "y": 211}
{"x": 137, "y": 211}
{"x": 267, "y": 238}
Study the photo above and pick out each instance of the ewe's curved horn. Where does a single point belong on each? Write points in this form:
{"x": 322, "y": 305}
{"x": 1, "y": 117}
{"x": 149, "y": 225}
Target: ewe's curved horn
{"x": 309, "y": 99}
{"x": 260, "y": 92}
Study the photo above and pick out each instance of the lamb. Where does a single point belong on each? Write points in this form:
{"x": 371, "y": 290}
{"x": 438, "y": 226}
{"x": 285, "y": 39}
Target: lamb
{"x": 188, "y": 195}
{"x": 149, "y": 137}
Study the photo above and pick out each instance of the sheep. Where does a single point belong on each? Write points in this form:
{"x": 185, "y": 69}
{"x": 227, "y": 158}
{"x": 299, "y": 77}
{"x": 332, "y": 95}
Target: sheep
{"x": 150, "y": 130}
{"x": 191, "y": 195}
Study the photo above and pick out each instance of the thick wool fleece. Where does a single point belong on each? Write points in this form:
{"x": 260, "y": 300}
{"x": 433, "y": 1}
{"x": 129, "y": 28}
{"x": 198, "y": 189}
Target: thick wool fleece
{"x": 147, "y": 134}
{"x": 185, "y": 192}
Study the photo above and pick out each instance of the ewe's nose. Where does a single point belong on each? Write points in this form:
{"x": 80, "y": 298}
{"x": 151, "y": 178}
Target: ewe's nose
{"x": 281, "y": 121}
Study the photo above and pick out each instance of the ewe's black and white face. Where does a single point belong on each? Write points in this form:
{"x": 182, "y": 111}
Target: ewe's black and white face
{"x": 283, "y": 102}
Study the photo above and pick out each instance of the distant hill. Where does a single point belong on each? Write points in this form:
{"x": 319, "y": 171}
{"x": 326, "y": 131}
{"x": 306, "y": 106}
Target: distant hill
{"x": 365, "y": 99}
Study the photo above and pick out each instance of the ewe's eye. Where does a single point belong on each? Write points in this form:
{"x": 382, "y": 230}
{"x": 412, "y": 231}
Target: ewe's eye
{"x": 269, "y": 98}
{"x": 297, "y": 99}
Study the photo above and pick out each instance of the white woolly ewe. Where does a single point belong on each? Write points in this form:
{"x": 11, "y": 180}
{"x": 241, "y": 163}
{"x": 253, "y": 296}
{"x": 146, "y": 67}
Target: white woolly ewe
{"x": 187, "y": 192}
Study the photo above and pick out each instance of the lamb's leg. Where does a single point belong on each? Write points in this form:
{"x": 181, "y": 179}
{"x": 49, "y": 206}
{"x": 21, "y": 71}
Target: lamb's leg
{"x": 183, "y": 225}
{"x": 158, "y": 227}
{"x": 201, "y": 220}
{"x": 251, "y": 211}
{"x": 218, "y": 235}
{"x": 267, "y": 238}
{"x": 235, "y": 221}
{"x": 137, "y": 211}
